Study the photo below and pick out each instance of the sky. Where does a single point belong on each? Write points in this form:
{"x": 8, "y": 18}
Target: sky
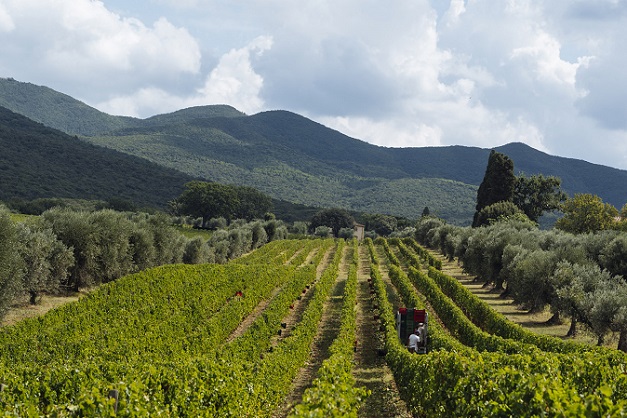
{"x": 403, "y": 73}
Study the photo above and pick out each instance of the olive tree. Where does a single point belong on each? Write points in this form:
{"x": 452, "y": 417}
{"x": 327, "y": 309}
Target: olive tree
{"x": 46, "y": 261}
{"x": 529, "y": 282}
{"x": 112, "y": 233}
{"x": 323, "y": 231}
{"x": 196, "y": 251}
{"x": 76, "y": 231}
{"x": 613, "y": 256}
{"x": 10, "y": 262}
{"x": 574, "y": 283}
{"x": 259, "y": 235}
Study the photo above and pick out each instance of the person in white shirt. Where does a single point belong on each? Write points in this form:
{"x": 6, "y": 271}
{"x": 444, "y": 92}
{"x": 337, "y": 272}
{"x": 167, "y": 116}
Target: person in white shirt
{"x": 413, "y": 341}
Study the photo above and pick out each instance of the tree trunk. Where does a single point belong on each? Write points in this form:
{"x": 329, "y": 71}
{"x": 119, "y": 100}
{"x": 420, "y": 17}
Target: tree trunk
{"x": 33, "y": 297}
{"x": 572, "y": 331}
{"x": 498, "y": 286}
{"x": 622, "y": 341}
{"x": 505, "y": 293}
{"x": 601, "y": 340}
{"x": 555, "y": 319}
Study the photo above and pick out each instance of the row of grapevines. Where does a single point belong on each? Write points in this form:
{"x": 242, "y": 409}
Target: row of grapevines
{"x": 432, "y": 261}
{"x": 493, "y": 322}
{"x": 469, "y": 383}
{"x": 487, "y": 318}
{"x": 257, "y": 338}
{"x": 458, "y": 323}
{"x": 155, "y": 313}
{"x": 274, "y": 254}
{"x": 454, "y": 317}
{"x": 438, "y": 337}
{"x": 409, "y": 255}
{"x": 333, "y": 392}
{"x": 271, "y": 378}
{"x": 154, "y": 375}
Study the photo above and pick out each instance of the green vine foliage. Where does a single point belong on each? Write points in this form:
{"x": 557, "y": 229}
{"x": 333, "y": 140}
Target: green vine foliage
{"x": 164, "y": 340}
{"x": 468, "y": 381}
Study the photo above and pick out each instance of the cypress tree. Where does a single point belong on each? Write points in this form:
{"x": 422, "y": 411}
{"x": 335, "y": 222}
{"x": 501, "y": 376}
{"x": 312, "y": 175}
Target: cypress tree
{"x": 497, "y": 185}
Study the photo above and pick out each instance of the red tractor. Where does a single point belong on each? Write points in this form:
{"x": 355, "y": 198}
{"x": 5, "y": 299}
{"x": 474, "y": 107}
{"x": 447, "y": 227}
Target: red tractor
{"x": 413, "y": 321}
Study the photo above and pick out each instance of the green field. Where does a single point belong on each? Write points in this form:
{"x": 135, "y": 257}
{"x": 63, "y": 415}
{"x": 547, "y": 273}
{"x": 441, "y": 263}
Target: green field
{"x": 289, "y": 330}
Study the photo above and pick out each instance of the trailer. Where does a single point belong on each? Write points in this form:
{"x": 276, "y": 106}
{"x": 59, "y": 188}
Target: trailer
{"x": 410, "y": 319}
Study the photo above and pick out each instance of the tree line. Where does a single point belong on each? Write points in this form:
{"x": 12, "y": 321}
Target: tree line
{"x": 503, "y": 194}
{"x": 66, "y": 250}
{"x": 577, "y": 276}
{"x": 577, "y": 269}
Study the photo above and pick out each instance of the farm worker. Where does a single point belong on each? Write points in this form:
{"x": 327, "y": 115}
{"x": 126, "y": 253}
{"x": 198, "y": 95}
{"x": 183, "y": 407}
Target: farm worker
{"x": 421, "y": 333}
{"x": 413, "y": 341}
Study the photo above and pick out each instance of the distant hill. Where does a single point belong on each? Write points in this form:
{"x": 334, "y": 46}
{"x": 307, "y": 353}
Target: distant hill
{"x": 298, "y": 160}
{"x": 41, "y": 162}
{"x": 37, "y": 161}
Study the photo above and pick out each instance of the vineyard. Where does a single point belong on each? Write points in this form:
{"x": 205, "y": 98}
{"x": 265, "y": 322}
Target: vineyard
{"x": 297, "y": 328}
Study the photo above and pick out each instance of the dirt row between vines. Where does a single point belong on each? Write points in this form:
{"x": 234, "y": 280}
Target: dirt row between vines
{"x": 328, "y": 330}
{"x": 370, "y": 369}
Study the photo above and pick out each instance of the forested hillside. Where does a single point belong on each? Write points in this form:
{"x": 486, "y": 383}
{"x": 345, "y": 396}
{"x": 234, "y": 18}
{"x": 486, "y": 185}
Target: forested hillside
{"x": 38, "y": 162}
{"x": 290, "y": 157}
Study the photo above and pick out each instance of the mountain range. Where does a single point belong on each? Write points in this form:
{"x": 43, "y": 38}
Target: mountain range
{"x": 293, "y": 158}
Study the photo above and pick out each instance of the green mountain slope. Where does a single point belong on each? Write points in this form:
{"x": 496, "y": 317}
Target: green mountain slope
{"x": 57, "y": 110}
{"x": 37, "y": 162}
{"x": 285, "y": 160}
{"x": 296, "y": 159}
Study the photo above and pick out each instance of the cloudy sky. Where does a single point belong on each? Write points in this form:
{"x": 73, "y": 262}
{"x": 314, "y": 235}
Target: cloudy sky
{"x": 394, "y": 73}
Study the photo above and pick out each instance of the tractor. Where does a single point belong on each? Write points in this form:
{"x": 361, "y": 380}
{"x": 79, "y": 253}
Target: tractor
{"x": 410, "y": 319}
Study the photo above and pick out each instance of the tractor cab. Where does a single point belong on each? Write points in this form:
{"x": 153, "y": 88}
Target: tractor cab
{"x": 410, "y": 319}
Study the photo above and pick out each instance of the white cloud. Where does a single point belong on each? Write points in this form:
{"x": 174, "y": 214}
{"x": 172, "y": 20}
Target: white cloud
{"x": 544, "y": 56}
{"x": 233, "y": 81}
{"x": 453, "y": 14}
{"x": 6, "y": 23}
{"x": 388, "y": 133}
{"x": 81, "y": 42}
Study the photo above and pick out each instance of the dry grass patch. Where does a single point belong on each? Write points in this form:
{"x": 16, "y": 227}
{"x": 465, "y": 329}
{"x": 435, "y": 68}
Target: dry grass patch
{"x": 23, "y": 310}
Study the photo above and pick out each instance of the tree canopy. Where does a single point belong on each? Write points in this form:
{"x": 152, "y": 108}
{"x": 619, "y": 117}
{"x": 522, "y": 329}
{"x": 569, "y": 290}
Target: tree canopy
{"x": 208, "y": 200}
{"x": 538, "y": 194}
{"x": 586, "y": 213}
{"x": 497, "y": 185}
{"x": 532, "y": 195}
{"x": 334, "y": 218}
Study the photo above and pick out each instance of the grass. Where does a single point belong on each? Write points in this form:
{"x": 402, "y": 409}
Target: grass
{"x": 190, "y": 232}
{"x": 22, "y": 309}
